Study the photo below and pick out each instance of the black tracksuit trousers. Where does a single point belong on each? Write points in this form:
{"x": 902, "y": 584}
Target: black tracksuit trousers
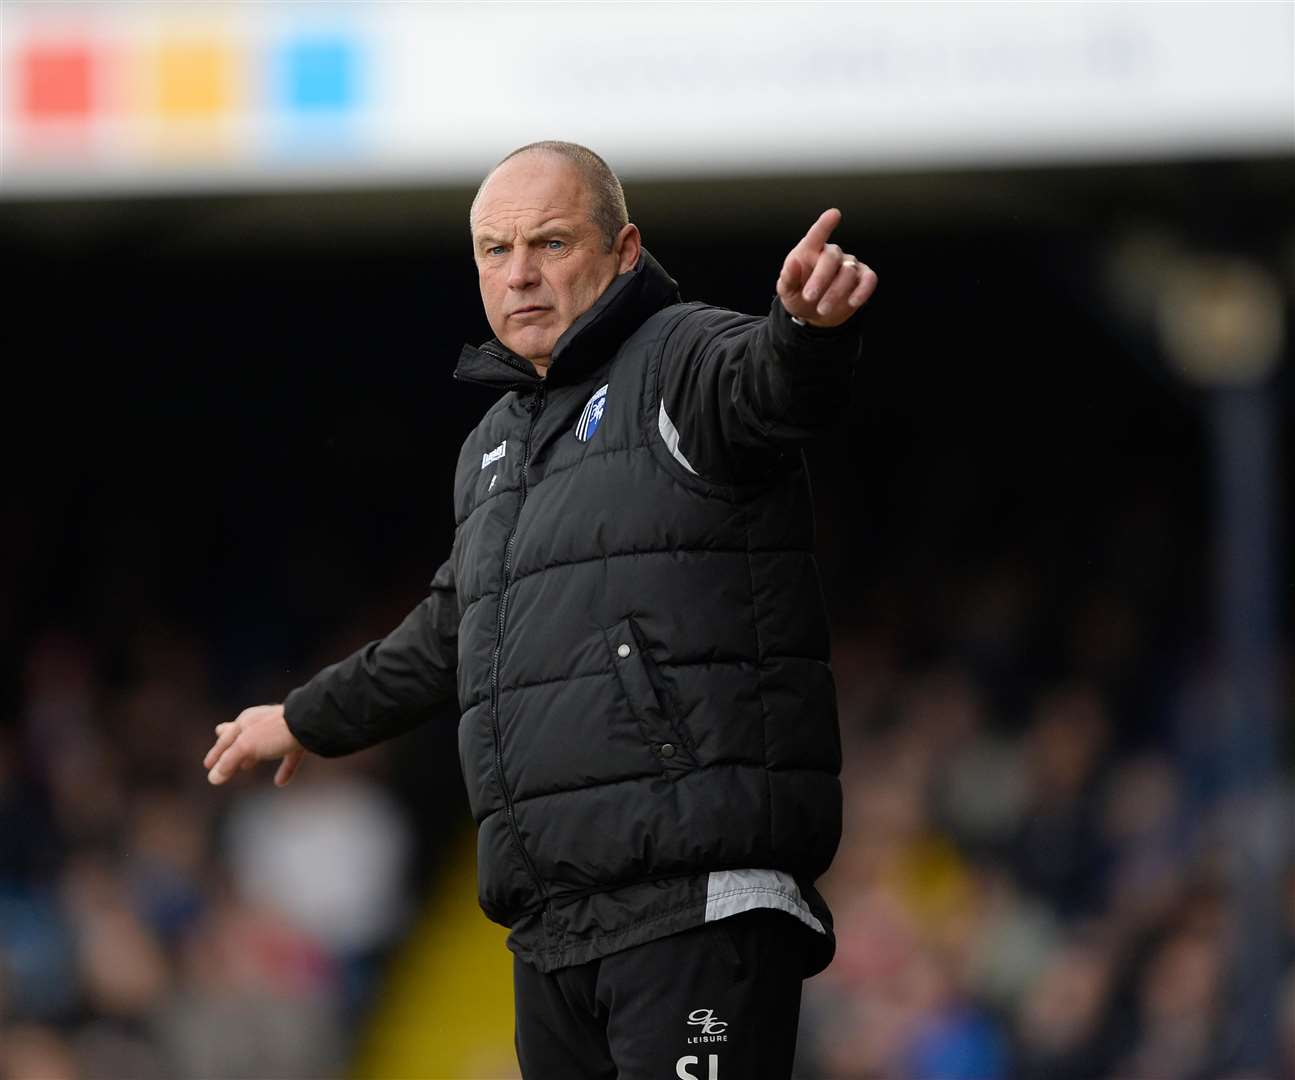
{"x": 718, "y": 1002}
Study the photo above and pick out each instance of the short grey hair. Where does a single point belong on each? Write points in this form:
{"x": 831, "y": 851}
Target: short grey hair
{"x": 607, "y": 205}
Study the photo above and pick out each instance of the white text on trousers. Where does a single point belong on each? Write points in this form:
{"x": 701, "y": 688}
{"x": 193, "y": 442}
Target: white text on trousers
{"x": 681, "y": 1067}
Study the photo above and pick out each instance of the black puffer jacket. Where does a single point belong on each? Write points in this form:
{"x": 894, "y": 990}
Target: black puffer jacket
{"x": 632, "y": 621}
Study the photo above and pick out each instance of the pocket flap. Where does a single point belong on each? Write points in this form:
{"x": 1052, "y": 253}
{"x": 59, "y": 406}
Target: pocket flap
{"x": 655, "y": 719}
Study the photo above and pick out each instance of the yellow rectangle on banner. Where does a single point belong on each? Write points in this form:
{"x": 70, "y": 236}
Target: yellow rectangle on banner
{"x": 194, "y": 79}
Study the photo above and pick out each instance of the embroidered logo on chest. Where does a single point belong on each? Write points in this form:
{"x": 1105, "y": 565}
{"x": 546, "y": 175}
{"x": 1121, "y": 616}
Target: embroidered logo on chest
{"x": 592, "y": 414}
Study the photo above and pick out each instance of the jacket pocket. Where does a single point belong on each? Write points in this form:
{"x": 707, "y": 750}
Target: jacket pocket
{"x": 648, "y": 700}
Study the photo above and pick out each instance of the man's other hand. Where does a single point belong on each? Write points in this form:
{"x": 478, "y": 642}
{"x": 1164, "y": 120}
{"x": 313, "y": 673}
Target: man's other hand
{"x": 257, "y": 734}
{"x": 821, "y": 284}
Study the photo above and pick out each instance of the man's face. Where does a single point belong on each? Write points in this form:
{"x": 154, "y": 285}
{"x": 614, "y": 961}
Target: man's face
{"x": 542, "y": 262}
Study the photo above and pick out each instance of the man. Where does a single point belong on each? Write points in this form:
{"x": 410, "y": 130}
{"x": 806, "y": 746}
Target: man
{"x": 632, "y": 623}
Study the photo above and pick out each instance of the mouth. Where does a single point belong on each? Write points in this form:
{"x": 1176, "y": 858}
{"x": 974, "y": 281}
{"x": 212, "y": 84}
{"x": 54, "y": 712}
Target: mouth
{"x": 522, "y": 312}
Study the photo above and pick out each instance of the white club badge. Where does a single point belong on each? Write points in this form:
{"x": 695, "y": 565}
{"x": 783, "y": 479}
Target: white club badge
{"x": 592, "y": 414}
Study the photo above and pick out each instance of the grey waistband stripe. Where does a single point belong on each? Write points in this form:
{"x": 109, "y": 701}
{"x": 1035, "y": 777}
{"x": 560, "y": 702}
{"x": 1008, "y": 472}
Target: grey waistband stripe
{"x": 730, "y": 892}
{"x": 671, "y": 435}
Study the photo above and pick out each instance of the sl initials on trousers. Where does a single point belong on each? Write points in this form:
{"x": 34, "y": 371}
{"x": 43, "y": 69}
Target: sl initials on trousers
{"x": 718, "y": 1002}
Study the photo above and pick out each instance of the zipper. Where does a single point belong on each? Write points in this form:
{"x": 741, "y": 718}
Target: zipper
{"x": 535, "y": 407}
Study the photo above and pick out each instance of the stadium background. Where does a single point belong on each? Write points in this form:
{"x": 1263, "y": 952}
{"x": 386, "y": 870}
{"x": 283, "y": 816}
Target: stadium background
{"x": 234, "y": 303}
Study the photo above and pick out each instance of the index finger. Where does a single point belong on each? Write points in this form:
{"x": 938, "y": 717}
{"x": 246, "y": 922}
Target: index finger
{"x": 228, "y": 760}
{"x": 227, "y": 736}
{"x": 821, "y": 230}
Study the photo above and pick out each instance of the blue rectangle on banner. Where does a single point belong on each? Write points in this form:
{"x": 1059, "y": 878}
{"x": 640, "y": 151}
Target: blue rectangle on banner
{"x": 319, "y": 74}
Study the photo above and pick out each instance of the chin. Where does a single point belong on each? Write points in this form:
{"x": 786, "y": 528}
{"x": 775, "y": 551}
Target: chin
{"x": 532, "y": 347}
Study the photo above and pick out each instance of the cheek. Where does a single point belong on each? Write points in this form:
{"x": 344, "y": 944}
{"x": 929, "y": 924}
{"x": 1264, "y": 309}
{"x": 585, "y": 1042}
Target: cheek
{"x": 491, "y": 297}
{"x": 579, "y": 292}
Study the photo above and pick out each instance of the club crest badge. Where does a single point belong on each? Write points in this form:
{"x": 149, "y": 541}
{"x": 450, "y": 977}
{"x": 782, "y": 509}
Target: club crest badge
{"x": 592, "y": 414}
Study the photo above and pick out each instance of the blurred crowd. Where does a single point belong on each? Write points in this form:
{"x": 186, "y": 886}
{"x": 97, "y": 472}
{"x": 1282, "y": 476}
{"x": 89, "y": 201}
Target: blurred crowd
{"x": 1035, "y": 880}
{"x": 154, "y": 928}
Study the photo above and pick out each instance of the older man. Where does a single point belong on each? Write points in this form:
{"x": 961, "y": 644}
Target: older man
{"x": 632, "y": 623}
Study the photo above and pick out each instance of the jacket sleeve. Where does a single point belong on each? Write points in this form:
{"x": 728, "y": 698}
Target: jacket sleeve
{"x": 388, "y": 686}
{"x": 739, "y": 392}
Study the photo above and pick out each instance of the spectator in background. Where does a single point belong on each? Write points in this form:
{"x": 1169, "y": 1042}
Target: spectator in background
{"x": 1058, "y": 850}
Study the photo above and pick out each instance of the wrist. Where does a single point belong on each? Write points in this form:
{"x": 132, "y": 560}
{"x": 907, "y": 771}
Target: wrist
{"x": 811, "y": 328}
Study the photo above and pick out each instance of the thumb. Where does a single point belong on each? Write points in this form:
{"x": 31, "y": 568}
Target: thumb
{"x": 288, "y": 767}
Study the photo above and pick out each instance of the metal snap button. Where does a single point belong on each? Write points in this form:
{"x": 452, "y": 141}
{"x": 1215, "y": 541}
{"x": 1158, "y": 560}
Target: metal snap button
{"x": 622, "y": 650}
{"x": 667, "y": 749}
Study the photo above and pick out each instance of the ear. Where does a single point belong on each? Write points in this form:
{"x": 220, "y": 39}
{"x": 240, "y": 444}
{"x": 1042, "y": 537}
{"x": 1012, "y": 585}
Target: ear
{"x": 627, "y": 248}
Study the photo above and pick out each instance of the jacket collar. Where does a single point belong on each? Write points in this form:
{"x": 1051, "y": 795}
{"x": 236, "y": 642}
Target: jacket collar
{"x": 617, "y": 313}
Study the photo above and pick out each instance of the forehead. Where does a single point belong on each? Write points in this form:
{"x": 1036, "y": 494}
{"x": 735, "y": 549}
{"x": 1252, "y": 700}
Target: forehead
{"x": 530, "y": 188}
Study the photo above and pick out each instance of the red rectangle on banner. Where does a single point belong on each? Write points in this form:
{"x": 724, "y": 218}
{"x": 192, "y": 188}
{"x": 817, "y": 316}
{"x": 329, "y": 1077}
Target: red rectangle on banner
{"x": 57, "y": 82}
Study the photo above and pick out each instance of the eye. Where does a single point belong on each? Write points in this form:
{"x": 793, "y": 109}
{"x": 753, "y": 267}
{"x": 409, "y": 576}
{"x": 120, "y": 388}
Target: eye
{"x": 555, "y": 245}
{"x": 495, "y": 249}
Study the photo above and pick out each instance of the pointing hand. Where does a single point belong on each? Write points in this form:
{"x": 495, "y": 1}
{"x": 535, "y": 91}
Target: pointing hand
{"x": 819, "y": 282}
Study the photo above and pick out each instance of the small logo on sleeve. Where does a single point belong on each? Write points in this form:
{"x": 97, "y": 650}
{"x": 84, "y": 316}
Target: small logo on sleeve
{"x": 592, "y": 414}
{"x": 495, "y": 454}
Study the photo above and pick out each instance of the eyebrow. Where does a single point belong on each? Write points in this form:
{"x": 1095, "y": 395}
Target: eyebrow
{"x": 552, "y": 227}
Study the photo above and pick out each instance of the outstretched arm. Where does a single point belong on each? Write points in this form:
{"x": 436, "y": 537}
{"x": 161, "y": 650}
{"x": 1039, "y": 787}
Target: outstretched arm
{"x": 740, "y": 392}
{"x": 376, "y": 693}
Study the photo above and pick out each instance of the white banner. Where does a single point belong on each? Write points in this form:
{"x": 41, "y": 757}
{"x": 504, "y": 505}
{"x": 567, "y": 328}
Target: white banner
{"x": 129, "y": 97}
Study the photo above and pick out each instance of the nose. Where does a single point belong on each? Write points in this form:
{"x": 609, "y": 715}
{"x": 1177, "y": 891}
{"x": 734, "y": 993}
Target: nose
{"x": 523, "y": 268}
